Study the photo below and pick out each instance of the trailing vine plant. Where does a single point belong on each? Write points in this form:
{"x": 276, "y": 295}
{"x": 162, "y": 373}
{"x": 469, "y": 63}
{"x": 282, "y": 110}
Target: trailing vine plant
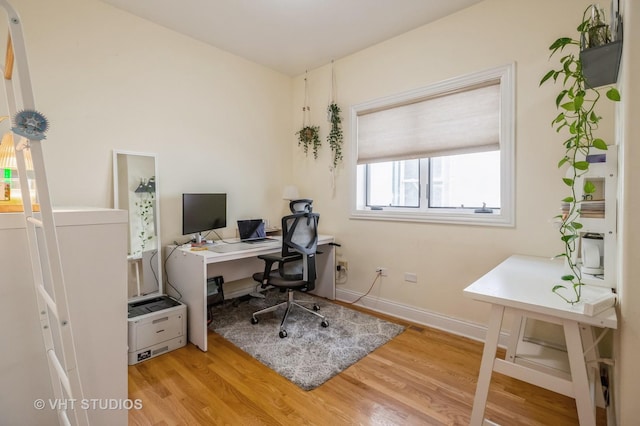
{"x": 308, "y": 136}
{"x": 577, "y": 103}
{"x": 145, "y": 212}
{"x": 145, "y": 198}
{"x": 335, "y": 136}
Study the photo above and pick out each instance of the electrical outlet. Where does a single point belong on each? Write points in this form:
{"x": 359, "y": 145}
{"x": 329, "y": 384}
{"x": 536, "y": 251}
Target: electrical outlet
{"x": 410, "y": 277}
{"x": 382, "y": 271}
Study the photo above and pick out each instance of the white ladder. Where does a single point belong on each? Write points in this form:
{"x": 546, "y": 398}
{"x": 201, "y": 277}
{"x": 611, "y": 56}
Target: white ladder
{"x": 43, "y": 242}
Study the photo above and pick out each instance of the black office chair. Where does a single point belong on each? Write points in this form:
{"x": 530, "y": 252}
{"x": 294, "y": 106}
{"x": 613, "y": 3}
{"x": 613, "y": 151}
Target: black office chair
{"x": 296, "y": 265}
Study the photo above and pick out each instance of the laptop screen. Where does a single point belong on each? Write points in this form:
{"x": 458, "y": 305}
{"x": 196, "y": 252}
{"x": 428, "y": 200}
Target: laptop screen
{"x": 251, "y": 229}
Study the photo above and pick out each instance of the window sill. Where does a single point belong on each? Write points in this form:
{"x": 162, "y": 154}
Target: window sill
{"x": 463, "y": 218}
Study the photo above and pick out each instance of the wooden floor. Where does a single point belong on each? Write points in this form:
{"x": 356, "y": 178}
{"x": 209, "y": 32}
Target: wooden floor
{"x": 421, "y": 377}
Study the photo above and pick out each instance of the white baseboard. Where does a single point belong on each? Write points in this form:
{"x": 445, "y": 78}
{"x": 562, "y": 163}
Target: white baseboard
{"x": 420, "y": 316}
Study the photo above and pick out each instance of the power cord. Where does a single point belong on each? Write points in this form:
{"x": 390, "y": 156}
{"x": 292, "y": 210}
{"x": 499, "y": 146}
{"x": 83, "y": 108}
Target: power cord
{"x": 378, "y": 275}
{"x": 177, "y": 246}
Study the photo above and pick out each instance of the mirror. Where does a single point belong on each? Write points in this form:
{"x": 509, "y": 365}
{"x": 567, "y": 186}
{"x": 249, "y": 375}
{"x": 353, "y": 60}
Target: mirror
{"x": 136, "y": 190}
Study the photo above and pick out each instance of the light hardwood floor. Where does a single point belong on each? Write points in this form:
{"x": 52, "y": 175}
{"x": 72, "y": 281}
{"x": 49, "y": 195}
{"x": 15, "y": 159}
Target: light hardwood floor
{"x": 422, "y": 377}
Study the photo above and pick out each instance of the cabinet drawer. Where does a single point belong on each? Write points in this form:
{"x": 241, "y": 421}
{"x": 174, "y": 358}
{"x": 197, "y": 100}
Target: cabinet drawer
{"x": 160, "y": 329}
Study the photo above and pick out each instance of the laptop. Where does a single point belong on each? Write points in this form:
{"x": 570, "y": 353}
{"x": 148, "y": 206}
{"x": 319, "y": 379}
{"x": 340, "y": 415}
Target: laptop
{"x": 252, "y": 231}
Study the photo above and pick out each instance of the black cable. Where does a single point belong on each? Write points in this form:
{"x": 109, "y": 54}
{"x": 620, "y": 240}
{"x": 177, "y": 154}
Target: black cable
{"x": 378, "y": 275}
{"x": 166, "y": 274}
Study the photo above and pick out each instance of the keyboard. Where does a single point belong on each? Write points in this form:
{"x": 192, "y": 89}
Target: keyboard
{"x": 227, "y": 248}
{"x": 260, "y": 240}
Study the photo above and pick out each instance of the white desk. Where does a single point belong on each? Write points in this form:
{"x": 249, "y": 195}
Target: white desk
{"x": 188, "y": 271}
{"x": 522, "y": 285}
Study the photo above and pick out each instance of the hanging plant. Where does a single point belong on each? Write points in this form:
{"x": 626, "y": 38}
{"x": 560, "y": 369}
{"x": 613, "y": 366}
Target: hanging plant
{"x": 577, "y": 104}
{"x": 308, "y": 136}
{"x": 335, "y": 136}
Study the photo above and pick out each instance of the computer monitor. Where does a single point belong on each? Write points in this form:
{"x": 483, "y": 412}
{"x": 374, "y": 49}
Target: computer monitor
{"x": 203, "y": 212}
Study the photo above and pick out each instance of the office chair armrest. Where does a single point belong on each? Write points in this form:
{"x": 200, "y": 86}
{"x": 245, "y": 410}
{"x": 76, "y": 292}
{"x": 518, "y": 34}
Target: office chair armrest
{"x": 278, "y": 258}
{"x": 270, "y": 260}
{"x": 270, "y": 257}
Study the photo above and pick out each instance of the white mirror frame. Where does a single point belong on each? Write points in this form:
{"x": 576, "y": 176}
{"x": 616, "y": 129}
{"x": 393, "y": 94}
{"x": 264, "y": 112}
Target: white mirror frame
{"x": 145, "y": 265}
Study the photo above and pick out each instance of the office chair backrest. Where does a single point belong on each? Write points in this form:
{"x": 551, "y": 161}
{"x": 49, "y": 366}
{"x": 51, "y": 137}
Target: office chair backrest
{"x": 300, "y": 236}
{"x": 301, "y": 205}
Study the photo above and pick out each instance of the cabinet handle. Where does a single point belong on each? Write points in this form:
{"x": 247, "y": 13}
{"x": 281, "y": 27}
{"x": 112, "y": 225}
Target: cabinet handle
{"x": 160, "y": 320}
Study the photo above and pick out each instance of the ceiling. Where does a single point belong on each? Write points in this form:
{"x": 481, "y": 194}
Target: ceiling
{"x": 292, "y": 36}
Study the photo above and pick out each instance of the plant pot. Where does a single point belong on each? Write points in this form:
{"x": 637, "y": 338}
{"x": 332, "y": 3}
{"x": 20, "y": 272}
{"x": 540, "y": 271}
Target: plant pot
{"x": 600, "y": 65}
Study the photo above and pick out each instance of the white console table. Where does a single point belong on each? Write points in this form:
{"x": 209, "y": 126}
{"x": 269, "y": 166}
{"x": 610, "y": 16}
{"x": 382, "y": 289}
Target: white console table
{"x": 522, "y": 285}
{"x": 188, "y": 270}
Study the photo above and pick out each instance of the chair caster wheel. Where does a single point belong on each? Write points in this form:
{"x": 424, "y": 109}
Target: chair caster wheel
{"x": 254, "y": 320}
{"x": 316, "y": 307}
{"x": 325, "y": 323}
{"x": 282, "y": 334}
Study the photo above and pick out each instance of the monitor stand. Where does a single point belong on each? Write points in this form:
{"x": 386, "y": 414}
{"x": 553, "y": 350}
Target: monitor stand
{"x": 198, "y": 240}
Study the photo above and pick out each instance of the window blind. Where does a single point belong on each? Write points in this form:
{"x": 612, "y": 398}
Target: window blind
{"x": 453, "y": 123}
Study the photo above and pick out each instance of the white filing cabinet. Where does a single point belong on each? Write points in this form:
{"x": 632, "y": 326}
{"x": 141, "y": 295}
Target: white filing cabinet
{"x": 156, "y": 326}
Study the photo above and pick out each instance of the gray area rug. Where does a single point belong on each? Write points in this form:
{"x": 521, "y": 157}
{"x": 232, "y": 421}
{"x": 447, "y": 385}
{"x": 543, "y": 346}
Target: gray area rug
{"x": 310, "y": 354}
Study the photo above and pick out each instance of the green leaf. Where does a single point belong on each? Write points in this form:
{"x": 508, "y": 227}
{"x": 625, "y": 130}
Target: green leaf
{"x": 560, "y": 43}
{"x": 567, "y": 278}
{"x": 567, "y": 181}
{"x": 568, "y": 199}
{"x": 568, "y": 238}
{"x": 559, "y": 118}
{"x": 563, "y": 162}
{"x": 613, "y": 94}
{"x": 546, "y": 77}
{"x": 578, "y": 101}
{"x": 576, "y": 225}
{"x": 573, "y": 129}
{"x": 560, "y": 97}
{"x": 581, "y": 165}
{"x": 558, "y": 287}
{"x": 600, "y": 144}
{"x": 589, "y": 187}
{"x": 569, "y": 106}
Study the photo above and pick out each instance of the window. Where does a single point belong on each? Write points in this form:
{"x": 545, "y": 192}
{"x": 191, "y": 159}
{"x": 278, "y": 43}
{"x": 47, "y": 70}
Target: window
{"x": 443, "y": 153}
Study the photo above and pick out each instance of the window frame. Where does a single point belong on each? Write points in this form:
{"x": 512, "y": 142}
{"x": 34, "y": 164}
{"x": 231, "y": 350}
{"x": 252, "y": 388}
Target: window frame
{"x": 506, "y": 217}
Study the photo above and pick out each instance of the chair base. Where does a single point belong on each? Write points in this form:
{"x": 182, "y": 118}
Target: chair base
{"x": 289, "y": 303}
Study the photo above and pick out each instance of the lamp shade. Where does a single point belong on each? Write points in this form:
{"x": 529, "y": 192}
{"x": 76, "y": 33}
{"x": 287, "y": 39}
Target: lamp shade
{"x": 290, "y": 192}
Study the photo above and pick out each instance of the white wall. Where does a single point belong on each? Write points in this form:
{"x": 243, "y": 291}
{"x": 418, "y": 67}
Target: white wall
{"x": 109, "y": 80}
{"x": 447, "y": 258}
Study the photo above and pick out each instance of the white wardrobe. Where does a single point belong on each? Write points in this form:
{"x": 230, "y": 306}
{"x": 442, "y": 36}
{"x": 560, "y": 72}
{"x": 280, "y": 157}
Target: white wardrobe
{"x": 93, "y": 249}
